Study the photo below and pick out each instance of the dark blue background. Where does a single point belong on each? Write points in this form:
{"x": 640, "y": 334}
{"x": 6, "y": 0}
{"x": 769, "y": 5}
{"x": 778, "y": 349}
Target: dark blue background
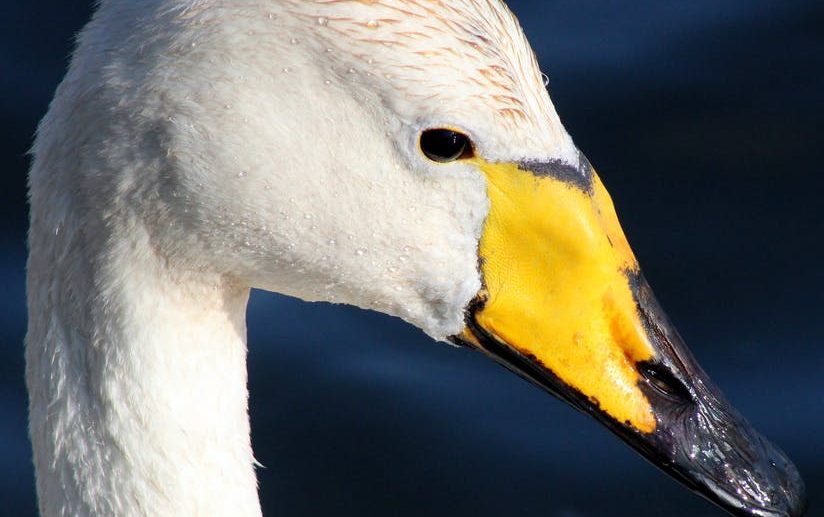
{"x": 704, "y": 119}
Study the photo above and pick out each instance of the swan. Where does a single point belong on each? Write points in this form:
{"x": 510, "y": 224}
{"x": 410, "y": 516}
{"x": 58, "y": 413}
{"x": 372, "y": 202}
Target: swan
{"x": 396, "y": 155}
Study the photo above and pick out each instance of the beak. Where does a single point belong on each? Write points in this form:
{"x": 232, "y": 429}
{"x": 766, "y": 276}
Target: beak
{"x": 565, "y": 306}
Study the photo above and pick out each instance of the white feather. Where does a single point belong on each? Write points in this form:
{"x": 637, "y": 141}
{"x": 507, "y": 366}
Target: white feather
{"x": 197, "y": 149}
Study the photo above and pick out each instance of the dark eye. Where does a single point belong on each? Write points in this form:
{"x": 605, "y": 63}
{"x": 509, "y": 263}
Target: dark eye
{"x": 445, "y": 145}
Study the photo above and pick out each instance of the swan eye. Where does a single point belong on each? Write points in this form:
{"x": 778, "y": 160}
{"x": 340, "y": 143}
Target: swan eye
{"x": 445, "y": 145}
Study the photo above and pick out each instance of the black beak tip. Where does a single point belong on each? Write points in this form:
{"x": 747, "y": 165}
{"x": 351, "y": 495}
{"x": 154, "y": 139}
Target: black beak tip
{"x": 782, "y": 494}
{"x": 793, "y": 493}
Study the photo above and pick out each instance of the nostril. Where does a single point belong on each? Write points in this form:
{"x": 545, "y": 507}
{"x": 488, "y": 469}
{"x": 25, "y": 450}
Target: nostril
{"x": 663, "y": 381}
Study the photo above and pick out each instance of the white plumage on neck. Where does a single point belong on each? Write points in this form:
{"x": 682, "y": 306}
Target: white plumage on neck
{"x": 139, "y": 403}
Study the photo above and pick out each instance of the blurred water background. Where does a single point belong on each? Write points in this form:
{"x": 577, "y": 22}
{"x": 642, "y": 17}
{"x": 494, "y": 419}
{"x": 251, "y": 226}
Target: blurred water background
{"x": 704, "y": 119}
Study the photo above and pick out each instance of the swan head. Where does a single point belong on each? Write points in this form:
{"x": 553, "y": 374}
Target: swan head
{"x": 406, "y": 157}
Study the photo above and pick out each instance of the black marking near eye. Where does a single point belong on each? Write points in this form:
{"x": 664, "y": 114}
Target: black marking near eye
{"x": 445, "y": 145}
{"x": 579, "y": 175}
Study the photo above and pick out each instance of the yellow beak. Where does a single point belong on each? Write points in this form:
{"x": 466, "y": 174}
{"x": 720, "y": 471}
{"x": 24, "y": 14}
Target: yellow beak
{"x": 555, "y": 265}
{"x": 565, "y": 306}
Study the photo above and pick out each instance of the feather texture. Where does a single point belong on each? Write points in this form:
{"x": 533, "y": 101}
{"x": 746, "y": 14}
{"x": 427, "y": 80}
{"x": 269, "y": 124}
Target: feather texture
{"x": 197, "y": 149}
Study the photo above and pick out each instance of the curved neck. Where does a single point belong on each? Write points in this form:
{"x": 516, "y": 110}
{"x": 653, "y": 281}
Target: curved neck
{"x": 137, "y": 380}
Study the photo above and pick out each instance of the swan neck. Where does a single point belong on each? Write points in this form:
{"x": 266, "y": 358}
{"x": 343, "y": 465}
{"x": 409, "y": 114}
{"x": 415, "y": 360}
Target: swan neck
{"x": 136, "y": 371}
